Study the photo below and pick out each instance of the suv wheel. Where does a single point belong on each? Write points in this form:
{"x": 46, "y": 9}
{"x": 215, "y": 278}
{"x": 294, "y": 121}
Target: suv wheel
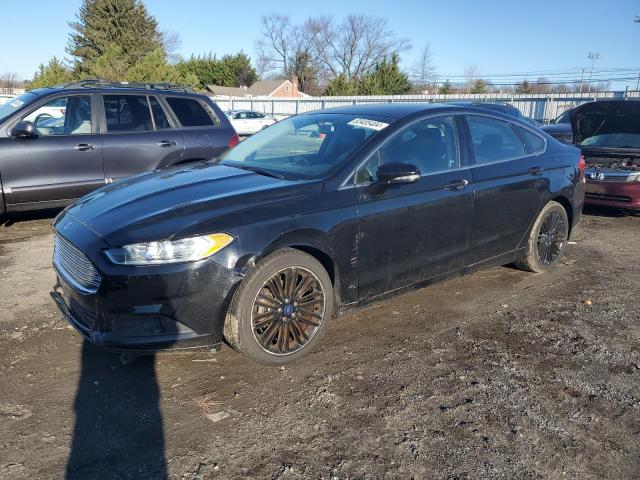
{"x": 281, "y": 309}
{"x": 547, "y": 239}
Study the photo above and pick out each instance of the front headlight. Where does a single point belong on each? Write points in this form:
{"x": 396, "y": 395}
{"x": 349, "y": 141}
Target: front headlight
{"x": 170, "y": 251}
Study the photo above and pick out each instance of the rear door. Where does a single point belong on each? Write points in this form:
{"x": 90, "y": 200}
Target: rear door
{"x": 510, "y": 183}
{"x": 204, "y": 135}
{"x": 62, "y": 163}
{"x": 138, "y": 135}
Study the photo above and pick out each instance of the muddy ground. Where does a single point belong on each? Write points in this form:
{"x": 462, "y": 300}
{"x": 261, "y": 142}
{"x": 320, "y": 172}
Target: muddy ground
{"x": 501, "y": 374}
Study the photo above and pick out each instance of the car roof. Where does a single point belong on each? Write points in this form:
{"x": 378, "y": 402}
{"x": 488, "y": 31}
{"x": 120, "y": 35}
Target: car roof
{"x": 393, "y": 111}
{"x": 107, "y": 90}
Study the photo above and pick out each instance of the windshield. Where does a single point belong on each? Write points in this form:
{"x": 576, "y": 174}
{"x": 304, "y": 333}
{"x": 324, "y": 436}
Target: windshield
{"x": 613, "y": 140}
{"x": 304, "y": 147}
{"x": 564, "y": 118}
{"x": 14, "y": 104}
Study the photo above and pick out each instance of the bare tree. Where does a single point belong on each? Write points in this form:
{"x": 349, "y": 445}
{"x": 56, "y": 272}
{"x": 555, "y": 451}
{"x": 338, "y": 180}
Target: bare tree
{"x": 423, "y": 70}
{"x": 10, "y": 82}
{"x": 470, "y": 74}
{"x": 273, "y": 45}
{"x": 171, "y": 42}
{"x": 355, "y": 45}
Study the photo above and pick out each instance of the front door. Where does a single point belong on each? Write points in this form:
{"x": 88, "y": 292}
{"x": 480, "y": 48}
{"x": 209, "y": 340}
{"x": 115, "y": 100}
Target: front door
{"x": 413, "y": 232}
{"x": 61, "y": 163}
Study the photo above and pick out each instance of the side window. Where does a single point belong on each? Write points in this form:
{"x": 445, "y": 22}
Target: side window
{"x": 494, "y": 140}
{"x": 159, "y": 117}
{"x": 190, "y": 112}
{"x": 430, "y": 144}
{"x": 535, "y": 143}
{"x": 127, "y": 113}
{"x": 63, "y": 116}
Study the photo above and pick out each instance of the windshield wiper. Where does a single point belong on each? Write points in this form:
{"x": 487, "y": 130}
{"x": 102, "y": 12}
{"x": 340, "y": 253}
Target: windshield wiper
{"x": 259, "y": 171}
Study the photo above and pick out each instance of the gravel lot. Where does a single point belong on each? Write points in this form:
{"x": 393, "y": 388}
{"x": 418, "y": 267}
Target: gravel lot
{"x": 501, "y": 374}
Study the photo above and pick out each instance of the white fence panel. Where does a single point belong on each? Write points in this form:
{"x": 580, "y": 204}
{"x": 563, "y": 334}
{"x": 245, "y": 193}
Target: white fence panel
{"x": 542, "y": 107}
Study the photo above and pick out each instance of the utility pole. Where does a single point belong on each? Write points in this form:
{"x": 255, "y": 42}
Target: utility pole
{"x": 593, "y": 56}
{"x": 582, "y": 79}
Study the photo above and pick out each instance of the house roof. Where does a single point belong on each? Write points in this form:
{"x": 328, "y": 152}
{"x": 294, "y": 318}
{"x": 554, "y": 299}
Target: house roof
{"x": 262, "y": 88}
{"x": 227, "y": 91}
{"x": 265, "y": 87}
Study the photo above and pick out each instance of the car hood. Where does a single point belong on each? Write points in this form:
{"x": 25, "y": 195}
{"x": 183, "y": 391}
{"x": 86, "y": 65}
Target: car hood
{"x": 165, "y": 204}
{"x": 598, "y": 118}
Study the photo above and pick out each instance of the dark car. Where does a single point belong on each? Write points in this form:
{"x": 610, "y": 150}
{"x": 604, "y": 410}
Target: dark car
{"x": 503, "y": 108}
{"x": 608, "y": 132}
{"x": 560, "y": 128}
{"x": 58, "y": 144}
{"x": 317, "y": 213}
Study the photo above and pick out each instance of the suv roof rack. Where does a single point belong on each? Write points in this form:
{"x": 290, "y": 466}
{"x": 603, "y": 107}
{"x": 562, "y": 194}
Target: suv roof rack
{"x": 98, "y": 83}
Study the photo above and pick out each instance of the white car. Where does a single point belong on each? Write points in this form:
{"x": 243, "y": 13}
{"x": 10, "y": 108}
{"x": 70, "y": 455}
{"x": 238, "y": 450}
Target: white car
{"x": 248, "y": 122}
{"x": 51, "y": 110}
{"x": 5, "y": 97}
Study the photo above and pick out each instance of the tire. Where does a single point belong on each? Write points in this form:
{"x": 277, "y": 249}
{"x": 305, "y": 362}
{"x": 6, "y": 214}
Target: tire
{"x": 267, "y": 322}
{"x": 547, "y": 240}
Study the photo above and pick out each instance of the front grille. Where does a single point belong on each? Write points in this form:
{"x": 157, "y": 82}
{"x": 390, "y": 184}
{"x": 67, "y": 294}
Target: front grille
{"x": 74, "y": 266}
{"x": 608, "y": 198}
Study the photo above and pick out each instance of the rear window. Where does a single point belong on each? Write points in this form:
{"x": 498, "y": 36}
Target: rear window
{"x": 190, "y": 112}
{"x": 494, "y": 140}
{"x": 127, "y": 113}
{"x": 534, "y": 143}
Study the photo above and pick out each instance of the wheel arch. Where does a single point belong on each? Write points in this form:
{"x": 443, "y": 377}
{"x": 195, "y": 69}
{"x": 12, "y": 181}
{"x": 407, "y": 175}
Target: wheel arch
{"x": 566, "y": 204}
{"x": 313, "y": 243}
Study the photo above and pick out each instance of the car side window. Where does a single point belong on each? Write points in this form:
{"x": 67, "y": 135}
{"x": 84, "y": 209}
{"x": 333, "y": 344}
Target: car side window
{"x": 534, "y": 143}
{"x": 430, "y": 144}
{"x": 159, "y": 117}
{"x": 494, "y": 140}
{"x": 63, "y": 116}
{"x": 127, "y": 113}
{"x": 190, "y": 112}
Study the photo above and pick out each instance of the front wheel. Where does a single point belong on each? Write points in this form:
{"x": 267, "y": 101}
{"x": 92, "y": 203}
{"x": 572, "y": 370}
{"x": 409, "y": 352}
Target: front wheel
{"x": 547, "y": 239}
{"x": 281, "y": 309}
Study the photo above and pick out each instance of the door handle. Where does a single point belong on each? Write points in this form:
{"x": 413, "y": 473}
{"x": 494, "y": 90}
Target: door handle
{"x": 535, "y": 171}
{"x": 85, "y": 147}
{"x": 167, "y": 143}
{"x": 456, "y": 185}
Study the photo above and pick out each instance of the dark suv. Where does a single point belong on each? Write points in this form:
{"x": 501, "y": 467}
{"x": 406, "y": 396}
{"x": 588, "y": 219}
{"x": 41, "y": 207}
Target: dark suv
{"x": 57, "y": 144}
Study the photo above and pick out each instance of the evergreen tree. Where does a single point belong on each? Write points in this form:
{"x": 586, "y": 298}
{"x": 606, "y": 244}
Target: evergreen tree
{"x": 479, "y": 86}
{"x": 53, "y": 73}
{"x": 228, "y": 71}
{"x": 385, "y": 79}
{"x": 445, "y": 88}
{"x": 340, "y": 86}
{"x": 101, "y": 24}
{"x": 524, "y": 87}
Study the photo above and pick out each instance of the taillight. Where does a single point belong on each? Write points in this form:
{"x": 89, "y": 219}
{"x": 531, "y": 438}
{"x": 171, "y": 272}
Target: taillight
{"x": 581, "y": 166}
{"x": 235, "y": 140}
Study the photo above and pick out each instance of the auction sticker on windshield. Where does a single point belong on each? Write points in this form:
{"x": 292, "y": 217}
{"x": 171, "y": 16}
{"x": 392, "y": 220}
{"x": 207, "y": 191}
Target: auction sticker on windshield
{"x": 366, "y": 123}
{"x": 16, "y": 103}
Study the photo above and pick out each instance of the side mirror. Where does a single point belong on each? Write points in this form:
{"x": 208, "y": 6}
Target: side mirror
{"x": 395, "y": 174}
{"x": 24, "y": 130}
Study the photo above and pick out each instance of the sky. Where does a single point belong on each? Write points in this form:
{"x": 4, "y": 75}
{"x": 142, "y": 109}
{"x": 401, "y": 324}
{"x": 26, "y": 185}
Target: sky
{"x": 498, "y": 36}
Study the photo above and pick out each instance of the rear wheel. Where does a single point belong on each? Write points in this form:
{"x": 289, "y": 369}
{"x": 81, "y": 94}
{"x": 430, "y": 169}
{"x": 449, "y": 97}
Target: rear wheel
{"x": 281, "y": 309}
{"x": 547, "y": 239}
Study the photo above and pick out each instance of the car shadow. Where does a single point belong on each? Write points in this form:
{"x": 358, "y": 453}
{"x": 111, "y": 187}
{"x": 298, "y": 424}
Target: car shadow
{"x": 9, "y": 219}
{"x": 118, "y": 430}
{"x": 611, "y": 212}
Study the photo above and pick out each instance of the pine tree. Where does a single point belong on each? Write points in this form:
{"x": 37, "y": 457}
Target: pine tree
{"x": 102, "y": 26}
{"x": 53, "y": 73}
{"x": 445, "y": 88}
{"x": 385, "y": 79}
{"x": 340, "y": 86}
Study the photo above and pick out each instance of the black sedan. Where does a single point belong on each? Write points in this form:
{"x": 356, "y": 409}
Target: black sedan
{"x": 318, "y": 213}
